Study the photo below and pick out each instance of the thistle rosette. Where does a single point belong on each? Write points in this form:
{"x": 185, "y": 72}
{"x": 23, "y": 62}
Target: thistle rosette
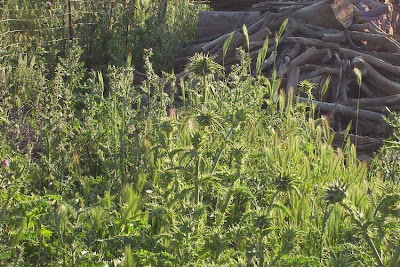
{"x": 336, "y": 192}
{"x": 285, "y": 183}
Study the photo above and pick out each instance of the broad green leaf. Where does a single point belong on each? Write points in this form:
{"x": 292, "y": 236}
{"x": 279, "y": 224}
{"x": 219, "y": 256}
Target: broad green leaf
{"x": 45, "y": 232}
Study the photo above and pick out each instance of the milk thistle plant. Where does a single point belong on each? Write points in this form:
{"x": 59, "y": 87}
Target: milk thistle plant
{"x": 202, "y": 66}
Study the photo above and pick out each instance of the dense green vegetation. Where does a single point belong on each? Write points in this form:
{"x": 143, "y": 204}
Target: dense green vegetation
{"x": 217, "y": 170}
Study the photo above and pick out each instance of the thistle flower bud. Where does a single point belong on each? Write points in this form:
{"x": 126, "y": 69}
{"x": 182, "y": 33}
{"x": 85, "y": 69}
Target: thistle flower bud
{"x": 284, "y": 183}
{"x": 336, "y": 193}
{"x": 5, "y": 163}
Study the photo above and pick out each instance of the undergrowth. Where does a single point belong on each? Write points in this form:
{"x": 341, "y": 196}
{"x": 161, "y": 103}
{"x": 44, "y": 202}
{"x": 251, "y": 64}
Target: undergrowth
{"x": 111, "y": 174}
{"x": 215, "y": 169}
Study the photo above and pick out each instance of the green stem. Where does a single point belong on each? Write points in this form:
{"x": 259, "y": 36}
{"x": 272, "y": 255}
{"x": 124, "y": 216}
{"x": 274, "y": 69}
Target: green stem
{"x": 358, "y": 109}
{"x": 205, "y": 91}
{"x": 196, "y": 181}
{"x": 327, "y": 214}
{"x": 365, "y": 235}
{"x": 261, "y": 251}
{"x": 395, "y": 257}
{"x": 219, "y": 153}
{"x": 272, "y": 202}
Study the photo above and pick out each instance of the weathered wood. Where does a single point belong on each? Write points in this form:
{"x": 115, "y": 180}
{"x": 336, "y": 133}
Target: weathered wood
{"x": 335, "y": 15}
{"x": 326, "y": 55}
{"x": 221, "y": 22}
{"x": 275, "y": 5}
{"x": 343, "y": 10}
{"x": 345, "y": 110}
{"x": 393, "y": 58}
{"x": 372, "y": 60}
{"x": 376, "y": 12}
{"x": 337, "y": 37}
{"x": 366, "y": 90}
{"x": 371, "y": 4}
{"x": 201, "y": 40}
{"x": 305, "y": 57}
{"x": 376, "y": 101}
{"x": 232, "y": 5}
{"x": 321, "y": 69}
{"x": 317, "y": 71}
{"x": 260, "y": 24}
{"x": 179, "y": 63}
{"x": 292, "y": 80}
{"x": 370, "y": 27}
{"x": 312, "y": 42}
{"x": 379, "y": 42}
{"x": 269, "y": 61}
{"x": 291, "y": 53}
{"x": 387, "y": 85}
{"x": 218, "y": 41}
{"x": 309, "y": 32}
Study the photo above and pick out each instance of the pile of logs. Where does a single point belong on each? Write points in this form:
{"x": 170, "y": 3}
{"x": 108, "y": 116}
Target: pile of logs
{"x": 334, "y": 40}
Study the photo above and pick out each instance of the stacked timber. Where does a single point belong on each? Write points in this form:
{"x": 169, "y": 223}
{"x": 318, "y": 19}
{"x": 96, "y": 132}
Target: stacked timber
{"x": 336, "y": 40}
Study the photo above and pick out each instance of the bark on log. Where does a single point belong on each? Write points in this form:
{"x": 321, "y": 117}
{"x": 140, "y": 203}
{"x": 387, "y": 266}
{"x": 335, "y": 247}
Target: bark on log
{"x": 318, "y": 71}
{"x": 309, "y": 32}
{"x": 337, "y": 15}
{"x": 291, "y": 53}
{"x": 326, "y": 55}
{"x": 304, "y": 57}
{"x": 379, "y": 42}
{"x": 371, "y": 4}
{"x": 338, "y": 37}
{"x": 393, "y": 58}
{"x": 366, "y": 90}
{"x": 387, "y": 85}
{"x": 376, "y": 12}
{"x": 372, "y": 60}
